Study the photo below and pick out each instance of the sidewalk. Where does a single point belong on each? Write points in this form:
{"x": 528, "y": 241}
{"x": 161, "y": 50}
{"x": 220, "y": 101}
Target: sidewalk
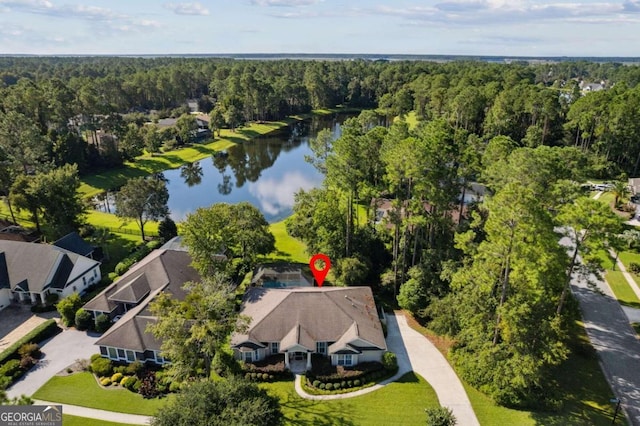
{"x": 93, "y": 413}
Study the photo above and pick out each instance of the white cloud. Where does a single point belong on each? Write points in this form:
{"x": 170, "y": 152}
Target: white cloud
{"x": 284, "y": 3}
{"x": 187, "y": 8}
{"x": 278, "y": 195}
{"x": 514, "y": 12}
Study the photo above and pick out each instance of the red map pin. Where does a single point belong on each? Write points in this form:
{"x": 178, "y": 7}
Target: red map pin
{"x": 320, "y": 274}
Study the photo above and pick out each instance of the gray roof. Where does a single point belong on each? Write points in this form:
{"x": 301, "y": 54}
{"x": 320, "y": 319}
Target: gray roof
{"x": 161, "y": 271}
{"x": 306, "y": 315}
{"x": 74, "y": 243}
{"x": 41, "y": 266}
{"x": 281, "y": 272}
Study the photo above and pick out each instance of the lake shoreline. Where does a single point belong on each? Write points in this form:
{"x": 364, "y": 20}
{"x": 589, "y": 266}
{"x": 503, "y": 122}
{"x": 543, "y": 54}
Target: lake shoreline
{"x": 95, "y": 184}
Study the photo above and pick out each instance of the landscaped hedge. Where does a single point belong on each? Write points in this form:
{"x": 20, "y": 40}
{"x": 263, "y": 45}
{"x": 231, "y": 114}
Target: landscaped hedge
{"x": 323, "y": 371}
{"x": 42, "y": 332}
{"x": 269, "y": 369}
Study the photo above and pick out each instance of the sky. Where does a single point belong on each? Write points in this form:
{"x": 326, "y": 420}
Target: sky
{"x": 451, "y": 27}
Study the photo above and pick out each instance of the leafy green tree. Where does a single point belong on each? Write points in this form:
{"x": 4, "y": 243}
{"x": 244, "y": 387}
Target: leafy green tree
{"x": 352, "y": 271}
{"x": 231, "y": 401}
{"x": 216, "y": 119}
{"x": 167, "y": 229}
{"x": 143, "y": 199}
{"x": 321, "y": 147}
{"x": 22, "y": 142}
{"x": 620, "y": 192}
{"x": 83, "y": 319}
{"x": 186, "y": 125}
{"x": 67, "y": 308}
{"x": 588, "y": 224}
{"x": 412, "y": 295}
{"x": 218, "y": 233}
{"x": 193, "y": 330}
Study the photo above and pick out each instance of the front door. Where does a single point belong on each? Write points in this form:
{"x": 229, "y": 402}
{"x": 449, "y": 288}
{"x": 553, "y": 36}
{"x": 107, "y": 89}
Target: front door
{"x": 299, "y": 356}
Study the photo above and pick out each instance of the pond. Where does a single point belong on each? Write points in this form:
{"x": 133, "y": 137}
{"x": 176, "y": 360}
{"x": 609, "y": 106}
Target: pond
{"x": 266, "y": 172}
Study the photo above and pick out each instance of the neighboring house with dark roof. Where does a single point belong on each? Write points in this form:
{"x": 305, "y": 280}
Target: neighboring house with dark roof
{"x": 74, "y": 243}
{"x": 30, "y": 271}
{"x": 126, "y": 301}
{"x": 338, "y": 322}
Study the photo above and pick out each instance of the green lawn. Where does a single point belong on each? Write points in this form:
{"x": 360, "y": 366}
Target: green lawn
{"x": 585, "y": 394}
{"x": 81, "y": 389}
{"x": 621, "y": 289}
{"x": 400, "y": 403}
{"x": 288, "y": 249}
{"x": 68, "y": 420}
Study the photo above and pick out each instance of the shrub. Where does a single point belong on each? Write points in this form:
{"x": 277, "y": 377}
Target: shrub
{"x": 102, "y": 367}
{"x": 337, "y": 386}
{"x": 51, "y": 298}
{"x": 225, "y": 364}
{"x": 328, "y": 386}
{"x": 116, "y": 377}
{"x": 440, "y": 416}
{"x": 27, "y": 362}
{"x": 247, "y": 376}
{"x": 123, "y": 380}
{"x": 38, "y": 334}
{"x": 390, "y": 361}
{"x": 131, "y": 383}
{"x": 322, "y": 386}
{"x": 10, "y": 368}
{"x": 29, "y": 350}
{"x": 316, "y": 383}
{"x": 356, "y": 382}
{"x": 122, "y": 369}
{"x": 103, "y": 322}
{"x": 265, "y": 376}
{"x": 95, "y": 356}
{"x": 135, "y": 368}
{"x": 634, "y": 267}
{"x": 68, "y": 307}
{"x": 174, "y": 386}
{"x": 149, "y": 386}
{"x": 167, "y": 229}
{"x": 343, "y": 384}
{"x": 105, "y": 382}
{"x": 154, "y": 244}
{"x": 84, "y": 319}
{"x": 350, "y": 383}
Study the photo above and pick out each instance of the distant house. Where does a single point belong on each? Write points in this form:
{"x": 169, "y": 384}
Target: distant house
{"x": 341, "y": 323}
{"x": 634, "y": 185}
{"x": 30, "y": 272}
{"x": 591, "y": 87}
{"x": 280, "y": 275}
{"x": 193, "y": 106}
{"x": 126, "y": 302}
{"x": 74, "y": 243}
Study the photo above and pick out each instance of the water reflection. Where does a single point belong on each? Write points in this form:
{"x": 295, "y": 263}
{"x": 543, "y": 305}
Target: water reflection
{"x": 267, "y": 172}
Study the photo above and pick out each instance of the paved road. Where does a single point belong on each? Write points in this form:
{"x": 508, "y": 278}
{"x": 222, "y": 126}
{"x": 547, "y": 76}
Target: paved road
{"x": 58, "y": 353}
{"x": 93, "y": 413}
{"x": 615, "y": 341}
{"x": 416, "y": 353}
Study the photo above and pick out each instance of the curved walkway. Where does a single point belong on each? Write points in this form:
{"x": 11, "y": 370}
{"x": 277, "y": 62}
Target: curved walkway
{"x": 93, "y": 413}
{"x": 416, "y": 353}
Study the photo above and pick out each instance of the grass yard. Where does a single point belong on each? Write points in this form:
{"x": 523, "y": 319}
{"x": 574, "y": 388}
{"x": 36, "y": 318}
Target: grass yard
{"x": 68, "y": 420}
{"x": 81, "y": 389}
{"x": 288, "y": 249}
{"x": 400, "y": 403}
{"x": 621, "y": 289}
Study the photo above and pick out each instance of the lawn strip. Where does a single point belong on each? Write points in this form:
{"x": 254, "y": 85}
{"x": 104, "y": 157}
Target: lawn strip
{"x": 402, "y": 403}
{"x": 81, "y": 389}
{"x": 69, "y": 420}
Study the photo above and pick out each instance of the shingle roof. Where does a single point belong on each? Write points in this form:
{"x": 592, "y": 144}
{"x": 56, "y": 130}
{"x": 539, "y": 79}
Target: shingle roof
{"x": 42, "y": 265}
{"x": 161, "y": 271}
{"x": 74, "y": 243}
{"x": 322, "y": 315}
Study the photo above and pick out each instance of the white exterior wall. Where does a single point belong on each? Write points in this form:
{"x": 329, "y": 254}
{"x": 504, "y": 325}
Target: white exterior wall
{"x": 90, "y": 276}
{"x": 5, "y": 298}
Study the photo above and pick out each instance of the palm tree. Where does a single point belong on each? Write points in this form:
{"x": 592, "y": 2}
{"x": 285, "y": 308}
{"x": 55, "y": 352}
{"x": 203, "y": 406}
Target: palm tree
{"x": 620, "y": 192}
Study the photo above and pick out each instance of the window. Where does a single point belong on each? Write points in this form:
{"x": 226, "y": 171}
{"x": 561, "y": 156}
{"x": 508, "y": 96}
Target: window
{"x": 130, "y": 356}
{"x": 95, "y": 273}
{"x": 121, "y": 353}
{"x": 275, "y": 347}
{"x": 346, "y": 360}
{"x": 84, "y": 281}
{"x": 248, "y": 356}
{"x": 113, "y": 353}
{"x": 159, "y": 358}
{"x": 321, "y": 348}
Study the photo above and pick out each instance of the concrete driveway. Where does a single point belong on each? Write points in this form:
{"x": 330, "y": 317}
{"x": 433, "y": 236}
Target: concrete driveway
{"x": 58, "y": 353}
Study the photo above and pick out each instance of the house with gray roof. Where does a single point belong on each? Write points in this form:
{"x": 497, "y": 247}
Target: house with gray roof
{"x": 126, "y": 301}
{"x": 73, "y": 242}
{"x": 341, "y": 323}
{"x": 29, "y": 272}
